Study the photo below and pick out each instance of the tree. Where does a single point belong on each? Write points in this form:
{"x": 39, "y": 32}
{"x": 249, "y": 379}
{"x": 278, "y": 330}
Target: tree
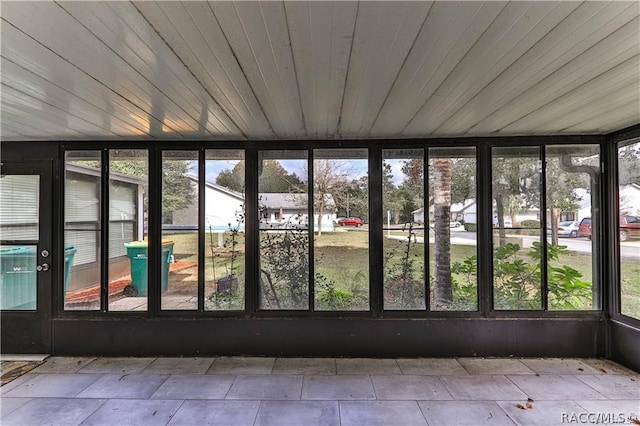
{"x": 273, "y": 178}
{"x": 359, "y": 197}
{"x": 330, "y": 178}
{"x": 514, "y": 176}
{"x": 562, "y": 180}
{"x": 178, "y": 190}
{"x": 392, "y": 200}
{"x": 232, "y": 179}
{"x": 443, "y": 290}
{"x": 629, "y": 164}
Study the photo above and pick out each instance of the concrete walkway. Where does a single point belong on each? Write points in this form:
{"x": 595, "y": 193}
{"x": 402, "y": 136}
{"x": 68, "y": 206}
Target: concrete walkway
{"x": 321, "y": 391}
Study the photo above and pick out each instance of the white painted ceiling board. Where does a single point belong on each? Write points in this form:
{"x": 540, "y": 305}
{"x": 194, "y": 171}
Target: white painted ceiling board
{"x": 316, "y": 70}
{"x": 258, "y": 34}
{"x": 513, "y": 33}
{"x": 33, "y": 85}
{"x": 620, "y": 117}
{"x": 384, "y": 35}
{"x": 533, "y": 66}
{"x": 23, "y": 110}
{"x": 588, "y": 110}
{"x": 321, "y": 39}
{"x": 93, "y": 56}
{"x": 224, "y": 72}
{"x": 90, "y": 55}
{"x": 614, "y": 84}
{"x": 609, "y": 52}
{"x": 461, "y": 42}
{"x": 196, "y": 41}
{"x": 172, "y": 76}
{"x": 57, "y": 71}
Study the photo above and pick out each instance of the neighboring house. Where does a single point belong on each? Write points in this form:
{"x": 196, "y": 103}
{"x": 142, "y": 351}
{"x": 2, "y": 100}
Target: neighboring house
{"x": 629, "y": 196}
{"x": 82, "y": 223}
{"x": 464, "y": 212}
{"x": 222, "y": 208}
{"x": 629, "y": 199}
{"x": 282, "y": 208}
{"x": 223, "y": 205}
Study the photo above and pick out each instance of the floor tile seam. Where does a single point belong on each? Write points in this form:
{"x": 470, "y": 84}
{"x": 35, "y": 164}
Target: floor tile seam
{"x": 70, "y": 396}
{"x": 575, "y": 376}
{"x": 94, "y": 411}
{"x": 495, "y": 403}
{"x": 579, "y": 377}
{"x": 508, "y": 401}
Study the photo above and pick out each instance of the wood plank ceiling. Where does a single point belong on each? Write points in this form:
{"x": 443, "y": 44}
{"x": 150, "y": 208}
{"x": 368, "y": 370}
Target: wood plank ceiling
{"x": 317, "y": 70}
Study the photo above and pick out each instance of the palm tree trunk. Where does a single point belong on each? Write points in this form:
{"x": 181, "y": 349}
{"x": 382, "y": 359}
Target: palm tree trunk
{"x": 443, "y": 291}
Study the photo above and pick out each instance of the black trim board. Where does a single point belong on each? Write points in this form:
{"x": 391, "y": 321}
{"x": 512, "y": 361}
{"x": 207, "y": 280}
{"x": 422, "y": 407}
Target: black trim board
{"x": 348, "y": 337}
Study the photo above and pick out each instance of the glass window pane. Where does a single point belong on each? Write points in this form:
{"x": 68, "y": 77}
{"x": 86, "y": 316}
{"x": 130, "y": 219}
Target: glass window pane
{"x": 179, "y": 273}
{"x": 516, "y": 228}
{"x": 19, "y": 207}
{"x": 128, "y": 257}
{"x": 453, "y": 262}
{"x": 224, "y": 270}
{"x": 404, "y": 229}
{"x": 18, "y": 277}
{"x": 340, "y": 221}
{"x": 629, "y": 228}
{"x": 571, "y": 176}
{"x": 82, "y": 229}
{"x": 284, "y": 229}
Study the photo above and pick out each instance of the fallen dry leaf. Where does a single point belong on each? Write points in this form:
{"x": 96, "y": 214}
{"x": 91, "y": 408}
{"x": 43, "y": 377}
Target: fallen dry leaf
{"x": 529, "y": 405}
{"x": 530, "y": 399}
{"x": 520, "y": 406}
{"x": 603, "y": 370}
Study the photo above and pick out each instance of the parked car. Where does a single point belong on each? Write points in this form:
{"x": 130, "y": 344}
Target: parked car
{"x": 629, "y": 227}
{"x": 584, "y": 228}
{"x": 350, "y": 221}
{"x": 568, "y": 229}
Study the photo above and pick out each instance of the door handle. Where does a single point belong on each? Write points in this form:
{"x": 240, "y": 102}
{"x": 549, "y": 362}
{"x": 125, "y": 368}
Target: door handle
{"x": 42, "y": 268}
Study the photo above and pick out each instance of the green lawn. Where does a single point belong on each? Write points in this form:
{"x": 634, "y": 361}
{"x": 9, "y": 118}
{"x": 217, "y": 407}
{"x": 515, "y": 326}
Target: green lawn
{"x": 343, "y": 259}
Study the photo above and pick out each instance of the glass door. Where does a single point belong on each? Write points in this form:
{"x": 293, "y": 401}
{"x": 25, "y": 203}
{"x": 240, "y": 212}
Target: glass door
{"x": 27, "y": 260}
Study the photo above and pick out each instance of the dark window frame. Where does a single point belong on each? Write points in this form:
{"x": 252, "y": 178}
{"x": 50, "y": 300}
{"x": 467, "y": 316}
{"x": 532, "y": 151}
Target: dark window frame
{"x": 482, "y": 145}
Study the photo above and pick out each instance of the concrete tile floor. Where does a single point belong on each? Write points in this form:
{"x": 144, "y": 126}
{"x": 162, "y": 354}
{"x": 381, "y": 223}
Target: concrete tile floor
{"x": 309, "y": 391}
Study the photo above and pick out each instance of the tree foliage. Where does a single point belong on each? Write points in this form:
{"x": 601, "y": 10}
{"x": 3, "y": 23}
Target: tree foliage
{"x": 273, "y": 178}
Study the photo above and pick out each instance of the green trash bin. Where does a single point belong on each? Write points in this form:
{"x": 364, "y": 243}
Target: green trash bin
{"x": 18, "y": 276}
{"x": 18, "y": 280}
{"x": 138, "y": 253}
{"x": 69, "y": 254}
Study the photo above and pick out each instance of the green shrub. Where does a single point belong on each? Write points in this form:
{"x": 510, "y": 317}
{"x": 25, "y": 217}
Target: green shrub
{"x": 530, "y": 223}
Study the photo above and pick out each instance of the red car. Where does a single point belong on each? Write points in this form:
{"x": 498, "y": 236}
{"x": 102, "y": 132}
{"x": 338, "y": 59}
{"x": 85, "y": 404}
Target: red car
{"x": 350, "y": 221}
{"x": 629, "y": 227}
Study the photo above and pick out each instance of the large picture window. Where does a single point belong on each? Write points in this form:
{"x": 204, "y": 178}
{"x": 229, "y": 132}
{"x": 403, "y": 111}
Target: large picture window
{"x": 225, "y": 222}
{"x": 341, "y": 229}
{"x": 283, "y": 214}
{"x": 572, "y": 202}
{"x": 128, "y": 210}
{"x": 180, "y": 227}
{"x": 629, "y": 227}
{"x": 309, "y": 242}
{"x": 82, "y": 229}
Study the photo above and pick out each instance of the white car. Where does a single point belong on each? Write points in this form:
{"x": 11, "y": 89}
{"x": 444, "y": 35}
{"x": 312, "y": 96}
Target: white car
{"x": 568, "y": 229}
